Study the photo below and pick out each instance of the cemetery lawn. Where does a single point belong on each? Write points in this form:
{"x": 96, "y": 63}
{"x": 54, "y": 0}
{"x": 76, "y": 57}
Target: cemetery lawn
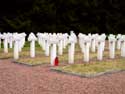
{"x": 42, "y": 59}
{"x": 33, "y": 61}
{"x": 94, "y": 68}
{"x": 40, "y": 56}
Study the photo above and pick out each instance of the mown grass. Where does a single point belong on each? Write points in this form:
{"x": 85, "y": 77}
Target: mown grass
{"x": 95, "y": 67}
{"x": 40, "y": 56}
{"x": 42, "y": 59}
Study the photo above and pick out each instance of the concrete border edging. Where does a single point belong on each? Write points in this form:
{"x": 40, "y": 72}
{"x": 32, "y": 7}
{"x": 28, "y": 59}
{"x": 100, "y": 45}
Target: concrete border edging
{"x": 87, "y": 75}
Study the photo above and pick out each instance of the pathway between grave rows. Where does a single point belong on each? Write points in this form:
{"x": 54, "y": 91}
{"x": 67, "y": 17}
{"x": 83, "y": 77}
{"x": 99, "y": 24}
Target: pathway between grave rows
{"x": 22, "y": 79}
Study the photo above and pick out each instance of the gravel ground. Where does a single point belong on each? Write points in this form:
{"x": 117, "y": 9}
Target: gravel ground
{"x": 22, "y": 79}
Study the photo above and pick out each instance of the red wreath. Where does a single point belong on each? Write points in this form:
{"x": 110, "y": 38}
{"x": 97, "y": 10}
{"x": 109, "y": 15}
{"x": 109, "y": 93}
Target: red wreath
{"x": 56, "y": 63}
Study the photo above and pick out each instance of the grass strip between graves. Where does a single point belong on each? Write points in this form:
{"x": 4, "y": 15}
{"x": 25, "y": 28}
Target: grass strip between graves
{"x": 33, "y": 61}
{"x": 93, "y": 69}
{"x": 42, "y": 59}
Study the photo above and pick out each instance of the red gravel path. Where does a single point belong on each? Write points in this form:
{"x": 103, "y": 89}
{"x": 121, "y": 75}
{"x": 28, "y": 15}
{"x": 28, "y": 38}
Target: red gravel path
{"x": 21, "y": 79}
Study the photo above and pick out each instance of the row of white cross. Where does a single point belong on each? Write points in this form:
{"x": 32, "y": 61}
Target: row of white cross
{"x": 96, "y": 41}
{"x": 18, "y": 40}
{"x": 49, "y": 42}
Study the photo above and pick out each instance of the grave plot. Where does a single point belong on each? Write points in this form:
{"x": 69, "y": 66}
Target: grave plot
{"x": 106, "y": 59}
{"x": 65, "y": 50}
{"x": 23, "y": 53}
{"x": 94, "y": 68}
{"x": 43, "y": 56}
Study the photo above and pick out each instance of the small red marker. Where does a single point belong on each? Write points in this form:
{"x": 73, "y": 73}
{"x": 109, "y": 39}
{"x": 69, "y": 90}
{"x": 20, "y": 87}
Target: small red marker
{"x": 56, "y": 62}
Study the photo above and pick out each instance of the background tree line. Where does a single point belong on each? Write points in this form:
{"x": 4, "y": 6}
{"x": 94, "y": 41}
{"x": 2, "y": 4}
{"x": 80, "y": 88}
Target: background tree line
{"x": 86, "y": 16}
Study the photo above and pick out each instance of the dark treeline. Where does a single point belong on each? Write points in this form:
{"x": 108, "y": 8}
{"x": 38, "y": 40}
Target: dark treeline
{"x": 87, "y": 16}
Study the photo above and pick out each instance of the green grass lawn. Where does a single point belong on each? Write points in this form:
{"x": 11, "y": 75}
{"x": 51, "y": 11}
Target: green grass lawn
{"x": 42, "y": 59}
{"x": 40, "y": 56}
{"x": 94, "y": 68}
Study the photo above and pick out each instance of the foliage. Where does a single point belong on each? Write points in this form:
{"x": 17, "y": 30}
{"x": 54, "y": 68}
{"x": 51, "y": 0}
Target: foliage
{"x": 101, "y": 16}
